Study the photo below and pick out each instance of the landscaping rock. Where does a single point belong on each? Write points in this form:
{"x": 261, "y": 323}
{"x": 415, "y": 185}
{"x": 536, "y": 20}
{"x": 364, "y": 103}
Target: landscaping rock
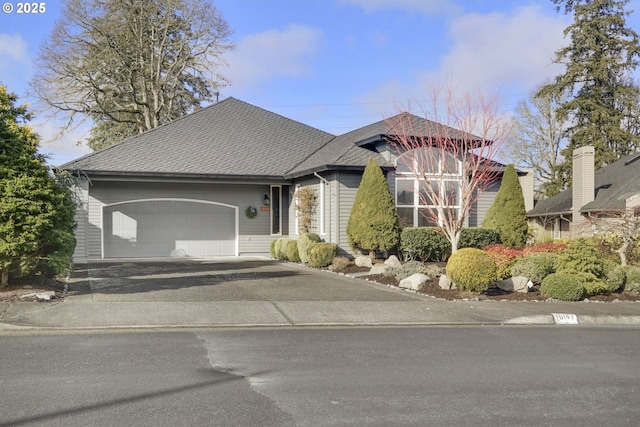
{"x": 515, "y": 284}
{"x": 363, "y": 261}
{"x": 414, "y": 281}
{"x": 446, "y": 283}
{"x": 380, "y": 269}
{"x": 393, "y": 261}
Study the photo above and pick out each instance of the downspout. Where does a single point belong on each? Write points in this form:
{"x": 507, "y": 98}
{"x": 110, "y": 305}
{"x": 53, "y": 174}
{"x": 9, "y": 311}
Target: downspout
{"x": 326, "y": 182}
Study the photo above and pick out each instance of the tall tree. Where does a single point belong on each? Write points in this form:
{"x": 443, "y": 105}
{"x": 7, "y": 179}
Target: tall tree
{"x": 373, "y": 224}
{"x": 537, "y": 141}
{"x": 449, "y": 153}
{"x": 507, "y": 215}
{"x": 599, "y": 61}
{"x": 131, "y": 65}
{"x": 36, "y": 214}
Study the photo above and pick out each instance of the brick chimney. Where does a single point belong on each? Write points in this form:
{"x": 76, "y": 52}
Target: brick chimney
{"x": 583, "y": 190}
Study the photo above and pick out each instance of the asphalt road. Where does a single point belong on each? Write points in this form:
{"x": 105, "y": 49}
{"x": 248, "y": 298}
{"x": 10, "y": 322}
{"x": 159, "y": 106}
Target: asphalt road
{"x": 495, "y": 376}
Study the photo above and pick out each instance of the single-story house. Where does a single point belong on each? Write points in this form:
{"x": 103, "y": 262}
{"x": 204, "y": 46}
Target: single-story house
{"x": 605, "y": 192}
{"x": 221, "y": 181}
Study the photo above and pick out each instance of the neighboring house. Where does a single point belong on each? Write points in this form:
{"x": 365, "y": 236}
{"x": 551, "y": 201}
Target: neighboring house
{"x": 185, "y": 188}
{"x": 606, "y": 192}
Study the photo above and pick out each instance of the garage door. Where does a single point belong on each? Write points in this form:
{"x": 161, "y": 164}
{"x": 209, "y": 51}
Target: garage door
{"x": 164, "y": 228}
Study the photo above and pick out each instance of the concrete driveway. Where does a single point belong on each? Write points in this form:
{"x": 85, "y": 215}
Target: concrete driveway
{"x": 223, "y": 279}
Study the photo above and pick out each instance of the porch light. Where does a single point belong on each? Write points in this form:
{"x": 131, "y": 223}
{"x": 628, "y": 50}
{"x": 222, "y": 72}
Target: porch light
{"x": 266, "y": 200}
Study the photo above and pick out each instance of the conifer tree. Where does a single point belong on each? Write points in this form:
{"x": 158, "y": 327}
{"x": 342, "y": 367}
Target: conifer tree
{"x": 36, "y": 213}
{"x": 507, "y": 215}
{"x": 601, "y": 96}
{"x": 373, "y": 224}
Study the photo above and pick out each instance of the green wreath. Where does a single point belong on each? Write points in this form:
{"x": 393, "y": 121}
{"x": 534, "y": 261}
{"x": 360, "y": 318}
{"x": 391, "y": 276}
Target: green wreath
{"x": 251, "y": 212}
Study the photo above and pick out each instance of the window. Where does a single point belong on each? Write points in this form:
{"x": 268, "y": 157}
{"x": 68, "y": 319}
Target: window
{"x": 276, "y": 220}
{"x": 418, "y": 200}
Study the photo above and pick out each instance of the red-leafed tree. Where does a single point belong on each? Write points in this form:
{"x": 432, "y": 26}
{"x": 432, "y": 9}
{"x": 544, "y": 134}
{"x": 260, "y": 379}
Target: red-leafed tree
{"x": 449, "y": 151}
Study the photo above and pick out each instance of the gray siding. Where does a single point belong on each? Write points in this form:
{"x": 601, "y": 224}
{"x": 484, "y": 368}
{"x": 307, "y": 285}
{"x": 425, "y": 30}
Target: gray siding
{"x": 254, "y": 233}
{"x": 483, "y": 203}
{"x": 81, "y": 191}
{"x": 347, "y": 188}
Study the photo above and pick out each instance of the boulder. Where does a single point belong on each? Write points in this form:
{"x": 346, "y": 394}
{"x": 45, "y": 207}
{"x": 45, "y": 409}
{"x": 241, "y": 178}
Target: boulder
{"x": 446, "y": 283}
{"x": 515, "y": 284}
{"x": 393, "y": 261}
{"x": 380, "y": 269}
{"x": 414, "y": 281}
{"x": 363, "y": 261}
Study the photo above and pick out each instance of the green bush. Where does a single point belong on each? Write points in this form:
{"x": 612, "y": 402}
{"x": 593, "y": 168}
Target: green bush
{"x": 322, "y": 254}
{"x": 373, "y": 224}
{"x": 340, "y": 263}
{"x": 304, "y": 241}
{"x": 562, "y": 286}
{"x": 281, "y": 248}
{"x": 409, "y": 268}
{"x": 424, "y": 243}
{"x": 535, "y": 267}
{"x": 478, "y": 238}
{"x": 633, "y": 278}
{"x": 272, "y": 249}
{"x": 507, "y": 215}
{"x": 472, "y": 269}
{"x": 615, "y": 277}
{"x": 292, "y": 251}
{"x": 581, "y": 256}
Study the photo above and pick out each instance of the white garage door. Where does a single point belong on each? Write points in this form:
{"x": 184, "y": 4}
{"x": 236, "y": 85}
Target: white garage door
{"x": 164, "y": 228}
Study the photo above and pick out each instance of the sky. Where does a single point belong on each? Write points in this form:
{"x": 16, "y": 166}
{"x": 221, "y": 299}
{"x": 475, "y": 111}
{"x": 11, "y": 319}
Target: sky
{"x": 338, "y": 65}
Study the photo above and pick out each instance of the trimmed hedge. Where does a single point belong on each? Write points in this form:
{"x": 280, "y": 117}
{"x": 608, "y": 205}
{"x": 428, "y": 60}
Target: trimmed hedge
{"x": 563, "y": 286}
{"x": 321, "y": 254}
{"x": 304, "y": 242}
{"x": 281, "y": 248}
{"x": 272, "y": 249}
{"x": 471, "y": 269}
{"x": 430, "y": 243}
{"x": 633, "y": 278}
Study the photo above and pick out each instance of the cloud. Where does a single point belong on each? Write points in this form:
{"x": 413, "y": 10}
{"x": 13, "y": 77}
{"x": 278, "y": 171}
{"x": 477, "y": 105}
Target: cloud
{"x": 505, "y": 53}
{"x": 426, "y": 7}
{"x": 61, "y": 148}
{"x": 14, "y": 48}
{"x": 271, "y": 54}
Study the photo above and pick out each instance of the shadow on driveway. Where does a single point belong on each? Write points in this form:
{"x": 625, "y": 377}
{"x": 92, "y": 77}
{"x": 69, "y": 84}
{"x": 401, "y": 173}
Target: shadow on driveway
{"x": 219, "y": 280}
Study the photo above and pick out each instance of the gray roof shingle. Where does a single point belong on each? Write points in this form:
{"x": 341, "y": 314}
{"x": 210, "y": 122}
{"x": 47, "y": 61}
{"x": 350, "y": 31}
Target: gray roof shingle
{"x": 614, "y": 183}
{"x": 231, "y": 137}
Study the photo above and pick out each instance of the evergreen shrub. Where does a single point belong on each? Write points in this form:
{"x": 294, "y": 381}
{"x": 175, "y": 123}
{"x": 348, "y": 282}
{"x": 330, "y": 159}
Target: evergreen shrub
{"x": 272, "y": 249}
{"x": 615, "y": 277}
{"x": 535, "y": 267}
{"x": 409, "y": 268}
{"x": 304, "y": 241}
{"x": 471, "y": 269}
{"x": 581, "y": 256}
{"x": 322, "y": 254}
{"x": 563, "y": 286}
{"x": 504, "y": 257}
{"x": 633, "y": 278}
{"x": 281, "y": 248}
{"x": 292, "y": 251}
{"x": 478, "y": 238}
{"x": 424, "y": 243}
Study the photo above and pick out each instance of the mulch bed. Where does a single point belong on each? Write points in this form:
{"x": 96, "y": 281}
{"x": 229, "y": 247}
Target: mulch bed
{"x": 494, "y": 294}
{"x": 23, "y": 289}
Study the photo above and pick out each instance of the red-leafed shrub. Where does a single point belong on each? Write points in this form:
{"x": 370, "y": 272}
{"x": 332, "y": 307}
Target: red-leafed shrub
{"x": 554, "y": 247}
{"x": 504, "y": 258}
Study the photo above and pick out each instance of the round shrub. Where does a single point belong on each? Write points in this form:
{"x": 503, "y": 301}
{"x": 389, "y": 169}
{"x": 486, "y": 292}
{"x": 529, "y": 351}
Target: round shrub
{"x": 562, "y": 286}
{"x": 321, "y": 254}
{"x": 304, "y": 241}
{"x": 535, "y": 267}
{"x": 340, "y": 263}
{"x": 281, "y": 248}
{"x": 424, "y": 244}
{"x": 472, "y": 269}
{"x": 292, "y": 251}
{"x": 592, "y": 285}
{"x": 272, "y": 249}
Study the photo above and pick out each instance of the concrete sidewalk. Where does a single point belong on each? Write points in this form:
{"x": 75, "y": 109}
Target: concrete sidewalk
{"x": 264, "y": 293}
